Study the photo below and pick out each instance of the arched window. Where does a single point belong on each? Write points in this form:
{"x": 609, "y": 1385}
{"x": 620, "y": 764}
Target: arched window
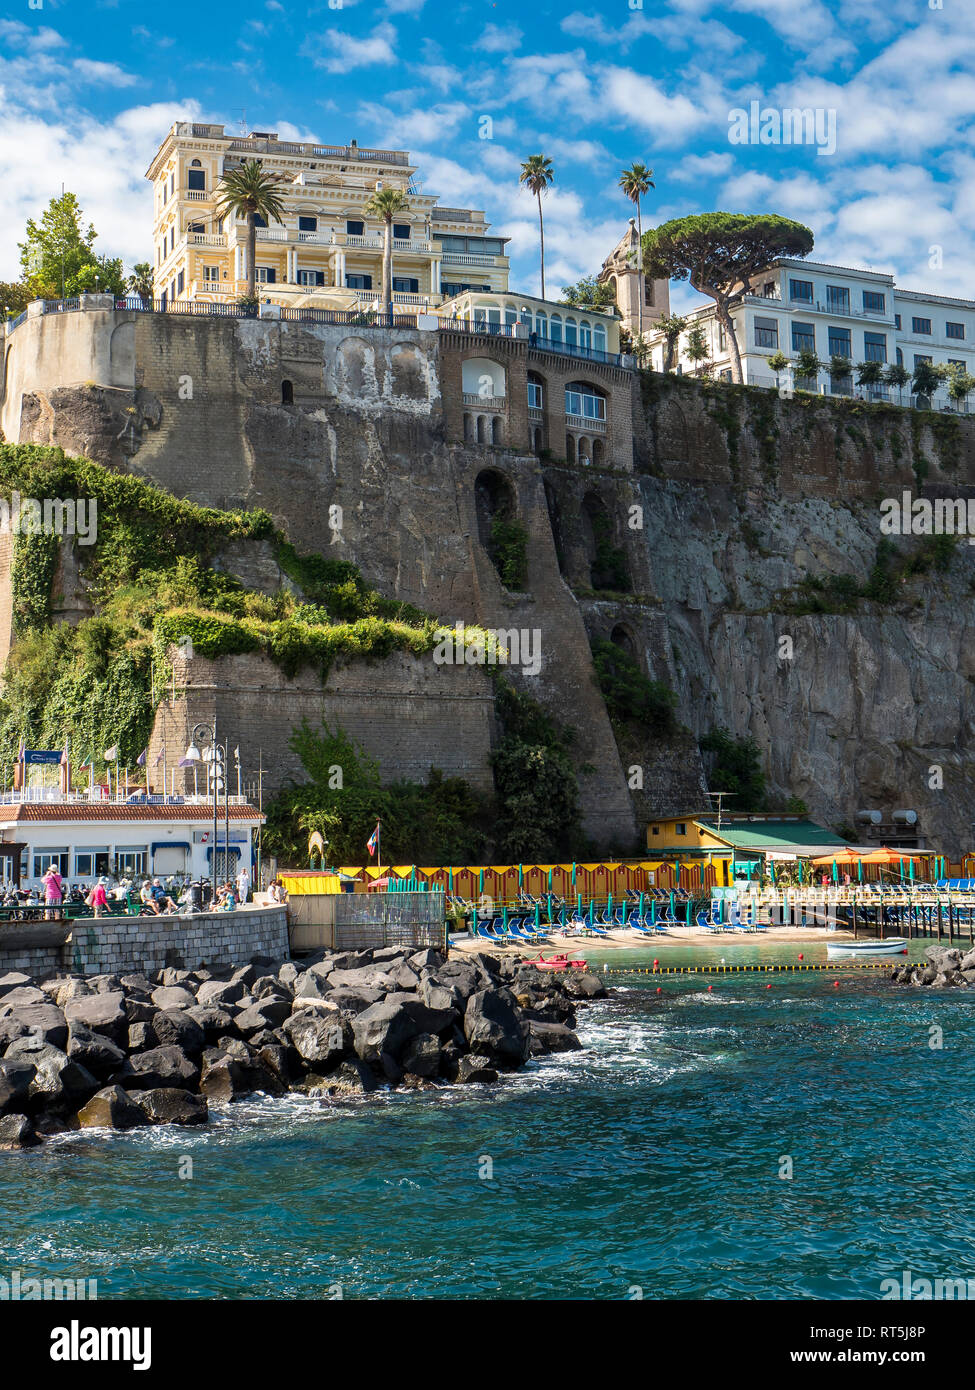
{"x": 482, "y": 377}
{"x": 571, "y": 335}
{"x": 555, "y": 328}
{"x": 287, "y": 393}
{"x": 585, "y": 400}
{"x": 536, "y": 391}
{"x": 510, "y": 315}
{"x": 608, "y": 569}
{"x": 541, "y": 324}
{"x": 497, "y": 427}
{"x": 570, "y": 448}
{"x": 622, "y": 637}
{"x": 585, "y": 334}
{"x": 599, "y": 338}
{"x": 526, "y": 315}
{"x": 598, "y": 453}
{"x": 481, "y": 430}
{"x": 468, "y": 428}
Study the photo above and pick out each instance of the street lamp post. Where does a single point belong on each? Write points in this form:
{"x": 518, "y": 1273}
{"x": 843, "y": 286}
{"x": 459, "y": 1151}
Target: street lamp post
{"x": 214, "y": 756}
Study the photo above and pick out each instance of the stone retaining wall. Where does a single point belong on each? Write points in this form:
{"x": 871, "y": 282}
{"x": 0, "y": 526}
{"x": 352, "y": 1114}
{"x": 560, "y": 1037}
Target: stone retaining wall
{"x": 130, "y": 945}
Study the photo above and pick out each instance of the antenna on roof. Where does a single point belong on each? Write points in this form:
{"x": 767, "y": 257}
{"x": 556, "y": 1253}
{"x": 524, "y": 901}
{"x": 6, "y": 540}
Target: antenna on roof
{"x": 243, "y": 121}
{"x": 717, "y": 796}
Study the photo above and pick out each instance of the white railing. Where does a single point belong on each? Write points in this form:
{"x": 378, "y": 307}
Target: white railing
{"x": 582, "y": 422}
{"x": 213, "y": 287}
{"x": 368, "y": 243}
{"x": 485, "y": 402}
{"x": 216, "y": 239}
{"x": 272, "y": 233}
{"x": 135, "y": 796}
{"x": 459, "y": 258}
{"x": 315, "y": 238}
{"x": 198, "y": 195}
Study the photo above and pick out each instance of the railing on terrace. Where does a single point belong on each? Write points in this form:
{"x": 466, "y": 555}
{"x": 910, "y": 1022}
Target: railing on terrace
{"x": 816, "y": 306}
{"x": 99, "y": 795}
{"x": 61, "y": 306}
{"x": 612, "y": 359}
{"x": 845, "y": 388}
{"x": 507, "y": 330}
{"x": 485, "y": 402}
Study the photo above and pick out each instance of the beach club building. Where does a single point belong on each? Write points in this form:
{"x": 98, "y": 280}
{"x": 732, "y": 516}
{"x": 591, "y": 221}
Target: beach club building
{"x": 742, "y": 845}
{"x": 139, "y": 836}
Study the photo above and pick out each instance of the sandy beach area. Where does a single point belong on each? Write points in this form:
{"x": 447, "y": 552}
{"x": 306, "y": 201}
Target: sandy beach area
{"x": 630, "y": 940}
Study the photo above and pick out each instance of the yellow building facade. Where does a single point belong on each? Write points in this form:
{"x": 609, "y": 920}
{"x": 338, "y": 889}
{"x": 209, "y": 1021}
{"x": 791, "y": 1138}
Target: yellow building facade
{"x": 327, "y": 253}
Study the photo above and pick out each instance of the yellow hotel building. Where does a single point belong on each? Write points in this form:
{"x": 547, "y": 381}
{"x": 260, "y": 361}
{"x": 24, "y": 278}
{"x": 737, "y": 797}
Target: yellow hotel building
{"x": 327, "y": 254}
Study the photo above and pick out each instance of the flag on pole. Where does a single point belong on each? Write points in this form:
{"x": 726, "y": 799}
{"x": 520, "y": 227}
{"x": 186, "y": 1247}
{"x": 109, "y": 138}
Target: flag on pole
{"x": 160, "y": 756}
{"x": 111, "y": 754}
{"x": 64, "y": 755}
{"x": 141, "y": 759}
{"x": 373, "y": 842}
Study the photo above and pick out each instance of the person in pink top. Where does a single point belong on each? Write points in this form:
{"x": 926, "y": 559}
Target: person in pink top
{"x": 53, "y": 891}
{"x": 98, "y": 898}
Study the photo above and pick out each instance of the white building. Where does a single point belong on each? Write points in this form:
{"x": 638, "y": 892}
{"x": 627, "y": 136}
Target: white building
{"x": 131, "y": 837}
{"x": 838, "y": 312}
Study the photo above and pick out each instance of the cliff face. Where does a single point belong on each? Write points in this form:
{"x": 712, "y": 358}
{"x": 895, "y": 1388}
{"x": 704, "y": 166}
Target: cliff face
{"x": 730, "y": 559}
{"x": 747, "y": 497}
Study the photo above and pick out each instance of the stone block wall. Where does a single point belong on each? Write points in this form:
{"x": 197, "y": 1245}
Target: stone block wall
{"x": 126, "y": 945}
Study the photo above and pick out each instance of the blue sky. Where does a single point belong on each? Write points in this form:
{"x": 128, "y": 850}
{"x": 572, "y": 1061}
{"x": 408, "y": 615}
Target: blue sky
{"x": 89, "y": 90}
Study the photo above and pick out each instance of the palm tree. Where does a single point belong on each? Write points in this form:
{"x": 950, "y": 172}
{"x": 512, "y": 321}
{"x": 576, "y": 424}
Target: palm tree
{"x": 140, "y": 281}
{"x": 384, "y": 204}
{"x": 536, "y": 174}
{"x": 635, "y": 182}
{"x": 248, "y": 191}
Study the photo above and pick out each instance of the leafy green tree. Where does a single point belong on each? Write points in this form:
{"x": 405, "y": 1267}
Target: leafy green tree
{"x": 696, "y": 346}
{"x": 249, "y": 192}
{"x": 671, "y": 326}
{"x": 385, "y": 204}
{"x": 14, "y": 298}
{"x": 535, "y": 782}
{"x": 141, "y": 280}
{"x": 589, "y": 293}
{"x": 631, "y": 697}
{"x": 636, "y": 182}
{"x": 58, "y": 257}
{"x": 926, "y": 379}
{"x": 808, "y": 365}
{"x": 960, "y": 383}
{"x": 779, "y": 363}
{"x": 719, "y": 253}
{"x": 870, "y": 373}
{"x": 896, "y": 375}
{"x": 537, "y": 175}
{"x": 841, "y": 367}
{"x": 737, "y": 768}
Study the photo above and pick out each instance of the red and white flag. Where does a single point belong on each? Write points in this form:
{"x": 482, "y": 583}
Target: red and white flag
{"x": 373, "y": 843}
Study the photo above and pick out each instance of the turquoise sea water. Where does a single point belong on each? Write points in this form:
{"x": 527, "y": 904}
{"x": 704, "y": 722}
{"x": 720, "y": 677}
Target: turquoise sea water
{"x": 651, "y": 1160}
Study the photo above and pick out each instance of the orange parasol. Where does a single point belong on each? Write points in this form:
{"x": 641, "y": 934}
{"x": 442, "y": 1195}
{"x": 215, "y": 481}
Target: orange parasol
{"x": 844, "y": 856}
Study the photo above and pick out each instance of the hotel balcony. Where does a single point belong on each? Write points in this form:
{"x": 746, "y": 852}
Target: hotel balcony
{"x": 487, "y": 262}
{"x": 583, "y": 422}
{"x": 485, "y": 402}
{"x": 291, "y": 236}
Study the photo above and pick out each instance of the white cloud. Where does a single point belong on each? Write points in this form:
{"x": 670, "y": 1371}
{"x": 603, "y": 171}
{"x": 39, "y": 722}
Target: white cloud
{"x": 339, "y": 52}
{"x": 497, "y": 39}
{"x": 700, "y": 166}
{"x": 431, "y": 124}
{"x": 103, "y": 74}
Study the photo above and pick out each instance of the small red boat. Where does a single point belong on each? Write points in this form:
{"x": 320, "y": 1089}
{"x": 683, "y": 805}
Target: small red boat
{"x": 558, "y": 963}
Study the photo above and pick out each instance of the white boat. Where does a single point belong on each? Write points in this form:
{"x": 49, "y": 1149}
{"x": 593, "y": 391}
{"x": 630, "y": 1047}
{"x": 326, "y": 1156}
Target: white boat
{"x": 893, "y": 946}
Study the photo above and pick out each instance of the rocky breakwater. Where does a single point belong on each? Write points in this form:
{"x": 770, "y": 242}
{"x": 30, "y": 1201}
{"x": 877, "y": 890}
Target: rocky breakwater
{"x": 114, "y": 1052}
{"x": 947, "y": 967}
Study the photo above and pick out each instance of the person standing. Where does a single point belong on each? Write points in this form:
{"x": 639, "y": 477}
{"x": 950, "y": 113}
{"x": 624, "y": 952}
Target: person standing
{"x": 98, "y": 898}
{"x": 243, "y": 884}
{"x": 53, "y": 892}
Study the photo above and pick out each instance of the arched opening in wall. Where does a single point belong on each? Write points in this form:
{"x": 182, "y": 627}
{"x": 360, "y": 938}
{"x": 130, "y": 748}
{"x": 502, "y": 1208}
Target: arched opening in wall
{"x": 622, "y": 637}
{"x": 468, "y": 428}
{"x": 608, "y": 569}
{"x": 497, "y": 430}
{"x": 598, "y": 453}
{"x": 537, "y": 439}
{"x": 570, "y": 448}
{"x": 482, "y": 380}
{"x": 287, "y": 393}
{"x": 585, "y": 450}
{"x": 498, "y": 528}
{"x": 555, "y": 521}
{"x": 481, "y": 430}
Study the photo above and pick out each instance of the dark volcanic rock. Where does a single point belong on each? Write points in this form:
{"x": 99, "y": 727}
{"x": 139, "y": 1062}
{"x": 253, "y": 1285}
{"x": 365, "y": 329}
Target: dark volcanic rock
{"x": 173, "y": 997}
{"x": 552, "y": 1037}
{"x": 389, "y": 1027}
{"x": 164, "y": 1067}
{"x": 221, "y": 992}
{"x": 102, "y": 1013}
{"x": 169, "y": 1105}
{"x": 94, "y": 1051}
{"x": 267, "y": 1014}
{"x": 43, "y": 1022}
{"x": 16, "y": 1074}
{"x": 59, "y": 1081}
{"x": 13, "y": 979}
{"x": 422, "y": 1056}
{"x": 17, "y": 1132}
{"x": 475, "y": 1068}
{"x": 215, "y": 1022}
{"x": 111, "y": 1108}
{"x": 492, "y": 1026}
{"x": 142, "y": 1037}
{"x": 319, "y": 1039}
{"x": 175, "y": 1028}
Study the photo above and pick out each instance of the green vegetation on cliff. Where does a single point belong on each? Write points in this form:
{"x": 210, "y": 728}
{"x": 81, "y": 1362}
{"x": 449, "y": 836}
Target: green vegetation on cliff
{"x": 632, "y": 699}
